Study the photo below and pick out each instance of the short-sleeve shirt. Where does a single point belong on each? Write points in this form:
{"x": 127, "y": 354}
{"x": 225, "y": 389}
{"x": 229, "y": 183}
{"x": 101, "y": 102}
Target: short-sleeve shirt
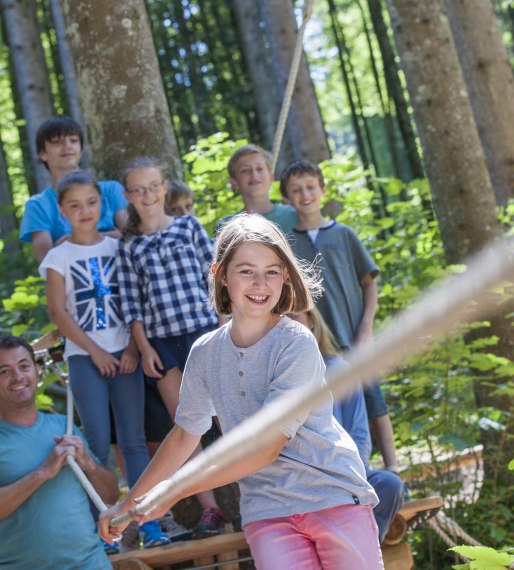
{"x": 344, "y": 262}
{"x": 163, "y": 279}
{"x": 42, "y": 212}
{"x": 282, "y": 215}
{"x": 351, "y": 414}
{"x": 53, "y": 529}
{"x": 92, "y": 292}
{"x": 319, "y": 467}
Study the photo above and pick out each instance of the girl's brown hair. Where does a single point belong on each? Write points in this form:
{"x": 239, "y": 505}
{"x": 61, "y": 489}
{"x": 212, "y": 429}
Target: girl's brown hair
{"x": 303, "y": 282}
{"x": 75, "y": 178}
{"x": 131, "y": 226}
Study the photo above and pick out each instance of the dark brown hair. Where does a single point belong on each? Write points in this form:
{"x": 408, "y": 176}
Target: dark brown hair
{"x": 299, "y": 168}
{"x": 57, "y": 127}
{"x": 9, "y": 342}
{"x": 77, "y": 177}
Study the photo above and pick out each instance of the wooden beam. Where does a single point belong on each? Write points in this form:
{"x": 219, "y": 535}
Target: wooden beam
{"x": 184, "y": 551}
{"x": 397, "y": 557}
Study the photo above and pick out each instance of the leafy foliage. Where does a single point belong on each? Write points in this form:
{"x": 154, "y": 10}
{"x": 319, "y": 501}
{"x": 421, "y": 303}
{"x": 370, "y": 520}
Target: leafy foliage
{"x": 484, "y": 558}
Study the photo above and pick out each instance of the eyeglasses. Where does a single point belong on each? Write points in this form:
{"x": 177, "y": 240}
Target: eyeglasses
{"x": 154, "y": 188}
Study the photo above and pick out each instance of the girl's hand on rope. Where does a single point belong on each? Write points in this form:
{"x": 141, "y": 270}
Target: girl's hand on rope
{"x": 159, "y": 510}
{"x": 152, "y": 364}
{"x": 105, "y": 362}
{"x": 105, "y": 530}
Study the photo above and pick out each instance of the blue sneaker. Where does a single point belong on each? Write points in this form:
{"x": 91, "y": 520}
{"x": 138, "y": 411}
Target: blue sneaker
{"x": 152, "y": 535}
{"x": 110, "y": 548}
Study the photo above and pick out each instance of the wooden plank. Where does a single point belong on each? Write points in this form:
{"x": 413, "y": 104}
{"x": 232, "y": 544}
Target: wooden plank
{"x": 411, "y": 508}
{"x": 226, "y": 557}
{"x": 185, "y": 551}
{"x": 131, "y": 564}
{"x": 204, "y": 561}
{"x": 397, "y": 557}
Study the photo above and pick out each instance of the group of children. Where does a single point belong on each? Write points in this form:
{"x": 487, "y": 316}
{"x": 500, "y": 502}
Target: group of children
{"x": 151, "y": 303}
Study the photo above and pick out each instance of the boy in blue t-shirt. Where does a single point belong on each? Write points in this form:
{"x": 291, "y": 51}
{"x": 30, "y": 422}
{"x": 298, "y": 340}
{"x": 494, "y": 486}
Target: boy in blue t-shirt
{"x": 350, "y": 297}
{"x": 59, "y": 143}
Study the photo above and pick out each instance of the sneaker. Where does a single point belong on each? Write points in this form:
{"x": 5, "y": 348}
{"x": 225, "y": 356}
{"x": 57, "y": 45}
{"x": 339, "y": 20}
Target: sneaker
{"x": 174, "y": 531}
{"x": 110, "y": 548}
{"x": 211, "y": 523}
{"x": 152, "y": 535}
{"x": 130, "y": 537}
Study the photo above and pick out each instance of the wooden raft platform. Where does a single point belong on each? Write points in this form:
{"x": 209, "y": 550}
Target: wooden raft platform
{"x": 231, "y": 546}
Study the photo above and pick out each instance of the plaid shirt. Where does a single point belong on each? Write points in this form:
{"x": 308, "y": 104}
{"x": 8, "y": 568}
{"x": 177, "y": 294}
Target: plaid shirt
{"x": 163, "y": 279}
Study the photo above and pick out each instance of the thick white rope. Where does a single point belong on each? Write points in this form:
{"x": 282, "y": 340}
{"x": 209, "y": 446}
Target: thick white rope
{"x": 74, "y": 466}
{"x": 450, "y": 526}
{"x": 459, "y": 299}
{"x": 291, "y": 81}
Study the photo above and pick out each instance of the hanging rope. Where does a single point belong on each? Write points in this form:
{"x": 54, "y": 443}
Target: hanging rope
{"x": 74, "y": 466}
{"x": 291, "y": 81}
{"x": 417, "y": 328}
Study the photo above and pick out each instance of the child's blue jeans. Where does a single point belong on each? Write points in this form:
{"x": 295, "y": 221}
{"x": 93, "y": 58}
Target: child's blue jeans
{"x": 93, "y": 393}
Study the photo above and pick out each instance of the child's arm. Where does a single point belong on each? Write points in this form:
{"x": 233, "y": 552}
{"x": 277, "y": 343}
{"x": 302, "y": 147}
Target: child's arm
{"x": 152, "y": 364}
{"x": 364, "y": 334}
{"x": 56, "y": 295}
{"x": 171, "y": 455}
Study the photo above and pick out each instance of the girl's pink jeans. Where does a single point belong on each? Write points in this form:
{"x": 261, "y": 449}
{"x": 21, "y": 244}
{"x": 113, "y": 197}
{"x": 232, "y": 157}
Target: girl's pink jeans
{"x": 339, "y": 538}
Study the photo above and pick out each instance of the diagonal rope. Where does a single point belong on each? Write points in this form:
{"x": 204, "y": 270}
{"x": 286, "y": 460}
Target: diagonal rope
{"x": 452, "y": 302}
{"x": 291, "y": 81}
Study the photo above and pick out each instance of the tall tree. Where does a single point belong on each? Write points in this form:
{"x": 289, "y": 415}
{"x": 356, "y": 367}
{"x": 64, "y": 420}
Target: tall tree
{"x": 8, "y": 223}
{"x": 305, "y": 127}
{"x": 462, "y": 193}
{"x": 488, "y": 74}
{"x": 257, "y": 60}
{"x": 68, "y": 72}
{"x": 123, "y": 99}
{"x": 31, "y": 76}
{"x": 395, "y": 87}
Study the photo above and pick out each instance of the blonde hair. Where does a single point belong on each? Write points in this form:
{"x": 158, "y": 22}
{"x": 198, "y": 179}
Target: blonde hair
{"x": 246, "y": 150}
{"x": 131, "y": 226}
{"x": 326, "y": 341}
{"x": 303, "y": 282}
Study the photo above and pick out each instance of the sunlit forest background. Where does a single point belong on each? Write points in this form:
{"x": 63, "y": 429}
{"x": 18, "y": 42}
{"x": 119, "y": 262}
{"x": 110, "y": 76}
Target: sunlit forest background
{"x": 407, "y": 106}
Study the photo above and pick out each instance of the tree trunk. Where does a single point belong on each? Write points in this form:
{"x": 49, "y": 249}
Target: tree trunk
{"x": 68, "y": 72}
{"x": 8, "y": 223}
{"x": 395, "y": 88}
{"x": 488, "y": 74}
{"x": 253, "y": 44}
{"x": 123, "y": 99}
{"x": 305, "y": 128}
{"x": 462, "y": 193}
{"x": 31, "y": 76}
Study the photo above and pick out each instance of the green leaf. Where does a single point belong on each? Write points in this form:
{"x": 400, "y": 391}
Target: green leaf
{"x": 485, "y": 554}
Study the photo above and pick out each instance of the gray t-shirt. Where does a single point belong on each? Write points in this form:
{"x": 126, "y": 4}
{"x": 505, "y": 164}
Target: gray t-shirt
{"x": 319, "y": 467}
{"x": 344, "y": 262}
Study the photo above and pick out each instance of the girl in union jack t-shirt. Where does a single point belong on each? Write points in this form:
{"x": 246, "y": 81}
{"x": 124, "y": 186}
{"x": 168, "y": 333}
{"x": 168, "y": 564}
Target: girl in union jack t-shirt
{"x": 103, "y": 360}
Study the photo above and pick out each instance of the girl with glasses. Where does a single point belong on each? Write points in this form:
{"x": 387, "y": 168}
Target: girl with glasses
{"x": 162, "y": 264}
